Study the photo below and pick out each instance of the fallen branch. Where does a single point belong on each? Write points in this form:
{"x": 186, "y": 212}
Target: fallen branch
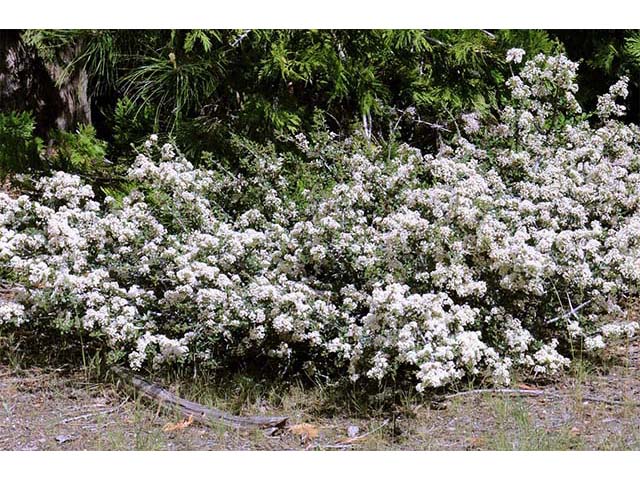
{"x": 494, "y": 391}
{"x": 533, "y": 393}
{"x": 199, "y": 413}
{"x": 623, "y": 403}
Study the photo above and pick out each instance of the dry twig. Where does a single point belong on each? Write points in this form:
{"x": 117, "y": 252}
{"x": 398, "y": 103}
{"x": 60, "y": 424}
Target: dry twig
{"x": 534, "y": 393}
{"x": 93, "y": 414}
{"x": 347, "y": 442}
{"x": 573, "y": 311}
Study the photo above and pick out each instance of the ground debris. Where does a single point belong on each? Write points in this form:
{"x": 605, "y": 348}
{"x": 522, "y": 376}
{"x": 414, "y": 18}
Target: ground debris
{"x": 63, "y": 438}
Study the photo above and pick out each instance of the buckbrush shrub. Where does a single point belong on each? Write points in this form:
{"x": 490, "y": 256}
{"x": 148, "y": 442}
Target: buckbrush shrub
{"x": 518, "y": 238}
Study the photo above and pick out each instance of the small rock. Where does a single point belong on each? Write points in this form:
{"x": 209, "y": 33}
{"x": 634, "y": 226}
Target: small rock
{"x": 63, "y": 439}
{"x": 353, "y": 431}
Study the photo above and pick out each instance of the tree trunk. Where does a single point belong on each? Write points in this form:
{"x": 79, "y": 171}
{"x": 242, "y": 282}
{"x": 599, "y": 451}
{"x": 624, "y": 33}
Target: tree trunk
{"x": 28, "y": 83}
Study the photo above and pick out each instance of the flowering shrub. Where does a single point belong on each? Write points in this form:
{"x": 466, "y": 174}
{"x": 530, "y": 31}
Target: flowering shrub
{"x": 498, "y": 252}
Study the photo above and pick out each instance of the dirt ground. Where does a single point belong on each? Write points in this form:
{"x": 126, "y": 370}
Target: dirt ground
{"x": 55, "y": 409}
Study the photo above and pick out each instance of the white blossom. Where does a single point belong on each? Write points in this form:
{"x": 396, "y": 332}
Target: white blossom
{"x": 515, "y": 55}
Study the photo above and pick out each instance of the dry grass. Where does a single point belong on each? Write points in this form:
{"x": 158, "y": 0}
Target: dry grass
{"x": 51, "y": 409}
{"x": 71, "y": 408}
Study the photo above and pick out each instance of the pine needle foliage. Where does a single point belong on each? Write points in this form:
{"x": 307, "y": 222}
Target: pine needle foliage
{"x": 261, "y": 83}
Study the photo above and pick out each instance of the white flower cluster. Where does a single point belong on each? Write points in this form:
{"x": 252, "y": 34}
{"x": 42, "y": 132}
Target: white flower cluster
{"x": 515, "y": 55}
{"x": 488, "y": 256}
{"x": 471, "y": 123}
{"x": 11, "y": 312}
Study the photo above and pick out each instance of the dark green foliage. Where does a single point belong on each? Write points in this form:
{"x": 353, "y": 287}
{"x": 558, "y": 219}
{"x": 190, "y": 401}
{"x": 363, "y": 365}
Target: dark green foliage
{"x": 78, "y": 152}
{"x": 20, "y": 151}
{"x": 129, "y": 125}
{"x": 605, "y": 56}
{"x": 205, "y": 88}
{"x": 23, "y": 152}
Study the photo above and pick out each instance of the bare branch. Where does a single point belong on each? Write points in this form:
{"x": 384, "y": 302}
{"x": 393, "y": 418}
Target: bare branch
{"x": 573, "y": 312}
{"x": 536, "y": 393}
{"x": 200, "y": 413}
{"x": 239, "y": 40}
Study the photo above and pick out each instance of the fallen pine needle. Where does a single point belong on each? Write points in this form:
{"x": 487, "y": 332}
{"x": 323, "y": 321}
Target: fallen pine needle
{"x": 93, "y": 414}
